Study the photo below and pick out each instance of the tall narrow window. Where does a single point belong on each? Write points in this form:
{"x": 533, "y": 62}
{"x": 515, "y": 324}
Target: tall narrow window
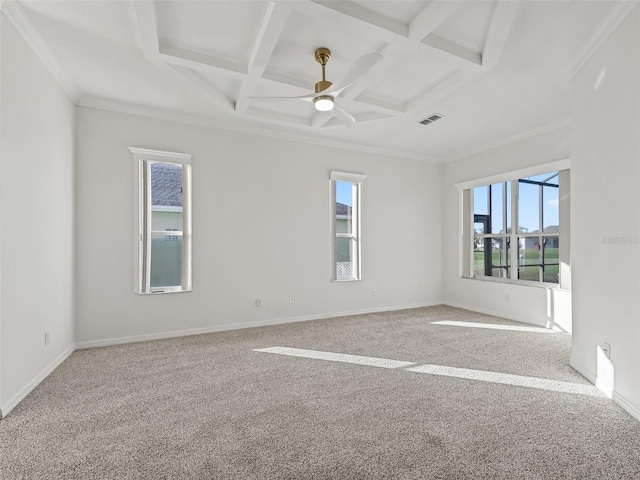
{"x": 163, "y": 224}
{"x": 346, "y": 193}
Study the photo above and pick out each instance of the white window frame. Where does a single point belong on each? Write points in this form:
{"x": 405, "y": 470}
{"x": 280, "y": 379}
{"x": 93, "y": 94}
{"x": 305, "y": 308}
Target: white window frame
{"x": 143, "y": 158}
{"x": 356, "y": 235}
{"x": 466, "y": 237}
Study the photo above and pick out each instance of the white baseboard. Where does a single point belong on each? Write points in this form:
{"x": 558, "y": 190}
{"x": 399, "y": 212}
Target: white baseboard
{"x": 6, "y": 408}
{"x": 630, "y": 408}
{"x": 582, "y": 370}
{"x": 515, "y": 318}
{"x": 235, "y": 326}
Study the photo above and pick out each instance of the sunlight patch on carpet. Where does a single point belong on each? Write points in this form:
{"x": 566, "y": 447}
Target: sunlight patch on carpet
{"x": 440, "y": 370}
{"x": 336, "y": 357}
{"x": 493, "y": 326}
{"x": 508, "y": 379}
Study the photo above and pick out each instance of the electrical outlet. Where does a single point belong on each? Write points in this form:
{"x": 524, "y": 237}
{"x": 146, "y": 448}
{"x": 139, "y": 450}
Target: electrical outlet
{"x": 46, "y": 338}
{"x": 374, "y": 292}
{"x": 606, "y": 349}
{"x": 258, "y": 302}
{"x": 290, "y": 299}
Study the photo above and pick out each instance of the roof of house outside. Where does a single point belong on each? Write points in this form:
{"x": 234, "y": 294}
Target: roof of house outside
{"x": 342, "y": 209}
{"x": 166, "y": 185}
{"x": 549, "y": 229}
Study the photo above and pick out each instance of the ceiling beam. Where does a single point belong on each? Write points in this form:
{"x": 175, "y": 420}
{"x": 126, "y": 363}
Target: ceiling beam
{"x": 200, "y": 61}
{"x": 304, "y": 85}
{"x": 431, "y": 18}
{"x": 145, "y": 13}
{"x": 453, "y": 48}
{"x": 272, "y": 26}
{"x": 377, "y": 105}
{"x": 365, "y": 15}
{"x": 210, "y": 91}
{"x": 503, "y": 16}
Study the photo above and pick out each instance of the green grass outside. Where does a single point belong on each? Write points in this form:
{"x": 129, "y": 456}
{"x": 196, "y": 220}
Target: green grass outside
{"x": 531, "y": 255}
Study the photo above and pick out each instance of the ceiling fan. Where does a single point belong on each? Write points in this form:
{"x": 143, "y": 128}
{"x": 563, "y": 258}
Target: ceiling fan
{"x": 324, "y": 98}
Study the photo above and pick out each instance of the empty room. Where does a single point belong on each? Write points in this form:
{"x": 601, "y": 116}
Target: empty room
{"x": 308, "y": 239}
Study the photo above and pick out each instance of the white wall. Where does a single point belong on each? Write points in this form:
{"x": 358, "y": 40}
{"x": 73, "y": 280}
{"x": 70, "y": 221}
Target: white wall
{"x": 606, "y": 216}
{"x": 534, "y": 305}
{"x": 36, "y": 219}
{"x": 260, "y": 230}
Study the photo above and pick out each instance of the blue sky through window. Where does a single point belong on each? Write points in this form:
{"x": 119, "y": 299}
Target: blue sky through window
{"x": 343, "y": 193}
{"x": 529, "y": 207}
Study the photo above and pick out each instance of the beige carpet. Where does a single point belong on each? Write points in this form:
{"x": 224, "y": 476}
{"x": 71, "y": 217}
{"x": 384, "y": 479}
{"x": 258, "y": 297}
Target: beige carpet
{"x": 209, "y": 406}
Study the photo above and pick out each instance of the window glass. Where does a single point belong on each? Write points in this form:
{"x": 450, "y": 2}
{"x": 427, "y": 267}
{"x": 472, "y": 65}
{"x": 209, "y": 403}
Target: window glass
{"x": 166, "y": 216}
{"x": 166, "y": 261}
{"x": 508, "y": 202}
{"x": 496, "y": 205}
{"x": 500, "y": 257}
{"x": 344, "y": 207}
{"x": 479, "y": 262}
{"x": 550, "y": 209}
{"x": 481, "y": 200}
{"x": 163, "y": 256}
{"x": 528, "y": 207}
{"x": 551, "y": 263}
{"x": 535, "y": 248}
{"x": 345, "y": 226}
{"x": 344, "y": 258}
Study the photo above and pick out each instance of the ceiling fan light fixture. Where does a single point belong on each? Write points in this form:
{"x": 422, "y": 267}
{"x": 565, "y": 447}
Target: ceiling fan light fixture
{"x": 323, "y": 103}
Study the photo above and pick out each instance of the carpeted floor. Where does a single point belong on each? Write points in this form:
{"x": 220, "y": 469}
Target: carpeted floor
{"x": 211, "y": 407}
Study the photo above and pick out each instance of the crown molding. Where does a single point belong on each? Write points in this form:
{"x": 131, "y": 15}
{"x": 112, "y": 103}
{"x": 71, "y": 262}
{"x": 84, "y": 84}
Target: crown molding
{"x": 512, "y": 139}
{"x": 15, "y": 14}
{"x": 227, "y": 125}
{"x": 607, "y": 26}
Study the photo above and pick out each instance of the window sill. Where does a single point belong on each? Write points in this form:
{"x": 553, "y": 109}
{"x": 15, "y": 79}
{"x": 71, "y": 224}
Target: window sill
{"x": 524, "y": 283}
{"x": 162, "y": 292}
{"x": 346, "y": 280}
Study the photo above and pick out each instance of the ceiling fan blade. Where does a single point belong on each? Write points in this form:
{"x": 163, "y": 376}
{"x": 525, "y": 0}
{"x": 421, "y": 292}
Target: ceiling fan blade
{"x": 305, "y": 98}
{"x": 342, "y": 115}
{"x": 358, "y": 69}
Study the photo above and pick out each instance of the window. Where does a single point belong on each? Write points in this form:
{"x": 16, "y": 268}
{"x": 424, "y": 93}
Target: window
{"x": 515, "y": 229}
{"x": 163, "y": 221}
{"x": 346, "y": 193}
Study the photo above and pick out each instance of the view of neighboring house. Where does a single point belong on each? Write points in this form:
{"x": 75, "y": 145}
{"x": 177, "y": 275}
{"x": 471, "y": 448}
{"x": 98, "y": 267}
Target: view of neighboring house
{"x": 549, "y": 241}
{"x": 166, "y": 216}
{"x": 344, "y": 265}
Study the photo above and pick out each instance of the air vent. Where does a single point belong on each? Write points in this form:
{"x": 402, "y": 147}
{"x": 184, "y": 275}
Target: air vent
{"x": 431, "y": 119}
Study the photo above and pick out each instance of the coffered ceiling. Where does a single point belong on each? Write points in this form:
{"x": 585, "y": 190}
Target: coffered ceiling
{"x": 493, "y": 69}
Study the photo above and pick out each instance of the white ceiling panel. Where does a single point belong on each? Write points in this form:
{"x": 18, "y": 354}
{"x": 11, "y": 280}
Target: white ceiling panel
{"x": 415, "y": 75}
{"x": 468, "y": 26}
{"x": 401, "y": 10}
{"x": 211, "y": 28}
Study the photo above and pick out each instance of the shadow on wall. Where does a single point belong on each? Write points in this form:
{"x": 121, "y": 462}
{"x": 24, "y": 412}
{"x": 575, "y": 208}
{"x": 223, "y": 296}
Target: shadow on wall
{"x": 604, "y": 371}
{"x": 559, "y": 309}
